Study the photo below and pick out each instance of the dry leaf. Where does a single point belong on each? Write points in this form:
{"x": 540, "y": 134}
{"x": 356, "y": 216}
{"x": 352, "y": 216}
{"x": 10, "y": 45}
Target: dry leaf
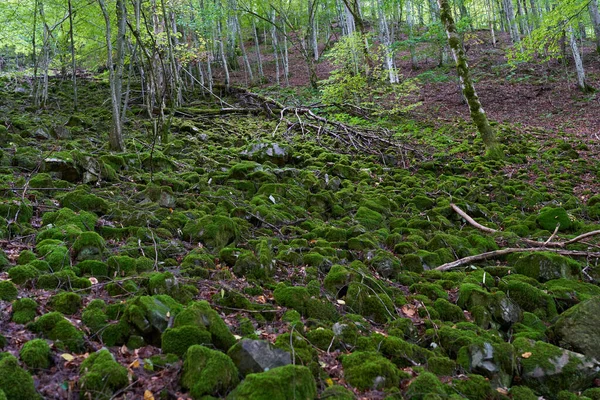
{"x": 503, "y": 391}
{"x": 526, "y": 354}
{"x": 93, "y": 280}
{"x": 67, "y": 356}
{"x": 135, "y": 364}
{"x": 329, "y": 382}
{"x": 408, "y": 310}
{"x": 148, "y": 395}
{"x": 340, "y": 301}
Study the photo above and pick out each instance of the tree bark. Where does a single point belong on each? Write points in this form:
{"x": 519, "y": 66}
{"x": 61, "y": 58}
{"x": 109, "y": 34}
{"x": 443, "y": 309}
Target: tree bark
{"x": 511, "y": 21}
{"x": 477, "y": 113}
{"x": 595, "y": 17}
{"x": 578, "y": 61}
{"x": 115, "y": 137}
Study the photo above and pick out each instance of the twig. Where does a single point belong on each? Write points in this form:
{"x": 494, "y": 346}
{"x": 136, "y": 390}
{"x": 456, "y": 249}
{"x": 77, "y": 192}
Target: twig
{"x": 471, "y": 220}
{"x": 552, "y": 236}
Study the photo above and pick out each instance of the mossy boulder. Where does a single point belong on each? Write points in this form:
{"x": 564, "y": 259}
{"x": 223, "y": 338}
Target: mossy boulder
{"x": 55, "y": 327}
{"x": 178, "y": 340}
{"x": 403, "y": 353}
{"x": 202, "y": 315}
{"x": 24, "y": 310}
{"x": 474, "y": 387}
{"x": 288, "y": 382}
{"x": 15, "y": 382}
{"x": 80, "y": 199}
{"x": 425, "y": 386}
{"x": 23, "y": 274}
{"x": 36, "y": 354}
{"x": 66, "y": 302}
{"x": 544, "y": 266}
{"x": 208, "y": 372}
{"x": 254, "y": 356}
{"x": 213, "y": 231}
{"x": 149, "y": 316}
{"x": 101, "y": 375}
{"x": 89, "y": 246}
{"x": 8, "y": 291}
{"x": 549, "y": 217}
{"x": 368, "y": 218}
{"x": 530, "y": 298}
{"x": 495, "y": 361}
{"x": 337, "y": 392}
{"x": 577, "y": 328}
{"x": 488, "y": 307}
{"x": 363, "y": 300}
{"x": 370, "y": 370}
{"x": 548, "y": 369}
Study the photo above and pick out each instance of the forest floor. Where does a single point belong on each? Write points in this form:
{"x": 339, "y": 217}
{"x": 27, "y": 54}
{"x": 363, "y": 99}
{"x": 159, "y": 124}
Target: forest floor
{"x": 322, "y": 243}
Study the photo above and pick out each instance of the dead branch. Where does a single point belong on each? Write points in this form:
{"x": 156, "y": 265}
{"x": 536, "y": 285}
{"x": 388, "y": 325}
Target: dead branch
{"x": 510, "y": 250}
{"x": 530, "y": 242}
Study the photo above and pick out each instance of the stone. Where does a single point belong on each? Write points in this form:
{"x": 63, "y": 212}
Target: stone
{"x": 577, "y": 328}
{"x": 273, "y": 152}
{"x": 253, "y": 356}
{"x": 287, "y": 382}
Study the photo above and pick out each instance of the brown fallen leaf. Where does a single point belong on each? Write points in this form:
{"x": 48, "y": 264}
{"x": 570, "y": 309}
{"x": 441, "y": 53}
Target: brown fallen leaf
{"x": 526, "y": 354}
{"x": 148, "y": 395}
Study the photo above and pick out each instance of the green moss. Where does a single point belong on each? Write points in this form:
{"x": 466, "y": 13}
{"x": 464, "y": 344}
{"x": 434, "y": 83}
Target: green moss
{"x": 403, "y": 353}
{"x": 94, "y": 319}
{"x": 337, "y": 392}
{"x": 363, "y": 300}
{"x": 23, "y": 274}
{"x": 89, "y": 246}
{"x": 94, "y": 268}
{"x": 287, "y": 382}
{"x": 448, "y": 311}
{"x": 337, "y": 278}
{"x": 431, "y": 290}
{"x": 523, "y": 393}
{"x": 65, "y": 279}
{"x": 549, "y": 217}
{"x": 294, "y": 297}
{"x": 66, "y": 302}
{"x": 121, "y": 266}
{"x": 201, "y": 314}
{"x": 366, "y": 370}
{"x": 55, "y": 327}
{"x": 208, "y": 372}
{"x": 545, "y": 266}
{"x": 8, "y": 291}
{"x": 214, "y": 231}
{"x": 101, "y": 375}
{"x": 321, "y": 338}
{"x": 178, "y": 340}
{"x": 36, "y": 354}
{"x": 55, "y": 253}
{"x": 425, "y": 385}
{"x": 24, "y": 310}
{"x": 15, "y": 382}
{"x": 81, "y": 200}
{"x": 475, "y": 387}
{"x": 368, "y": 218}
{"x": 443, "y": 366}
{"x": 116, "y": 333}
{"x": 25, "y": 257}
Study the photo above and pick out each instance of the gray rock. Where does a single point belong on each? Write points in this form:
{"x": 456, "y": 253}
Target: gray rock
{"x": 578, "y": 328}
{"x": 61, "y": 132}
{"x": 64, "y": 169}
{"x": 253, "y": 356}
{"x": 494, "y": 361}
{"x": 41, "y": 133}
{"x": 272, "y": 152}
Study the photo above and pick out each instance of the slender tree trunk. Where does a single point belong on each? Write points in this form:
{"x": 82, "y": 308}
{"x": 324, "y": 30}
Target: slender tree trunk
{"x": 578, "y": 61}
{"x": 257, "y": 48}
{"x": 387, "y": 43}
{"x": 116, "y": 134}
{"x": 491, "y": 20}
{"x": 410, "y": 24}
{"x": 513, "y": 27}
{"x": 595, "y": 17}
{"x": 223, "y": 55}
{"x": 275, "y": 45}
{"x": 73, "y": 61}
{"x": 477, "y": 113}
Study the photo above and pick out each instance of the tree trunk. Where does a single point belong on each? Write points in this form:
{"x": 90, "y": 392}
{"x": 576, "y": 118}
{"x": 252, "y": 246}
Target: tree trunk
{"x": 477, "y": 113}
{"x": 73, "y": 61}
{"x": 578, "y": 61}
{"x": 115, "y": 137}
{"x": 595, "y": 17}
{"x": 387, "y": 43}
{"x": 513, "y": 27}
{"x": 257, "y": 48}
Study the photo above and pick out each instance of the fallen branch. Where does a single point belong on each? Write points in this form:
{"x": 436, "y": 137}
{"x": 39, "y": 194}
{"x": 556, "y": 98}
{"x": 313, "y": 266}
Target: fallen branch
{"x": 510, "y": 250}
{"x": 530, "y": 242}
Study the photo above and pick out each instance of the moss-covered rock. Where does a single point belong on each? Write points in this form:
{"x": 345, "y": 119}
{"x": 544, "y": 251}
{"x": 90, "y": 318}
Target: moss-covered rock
{"x": 149, "y": 316}
{"x": 474, "y": 387}
{"x": 288, "y": 382}
{"x": 337, "y": 392}
{"x": 178, "y": 340}
{"x": 101, "y": 375}
{"x": 370, "y": 370}
{"x": 66, "y": 302}
{"x": 495, "y": 361}
{"x": 208, "y": 372}
{"x": 213, "y": 231}
{"x": 8, "y": 291}
{"x": 201, "y": 314}
{"x": 24, "y": 310}
{"x": 55, "y": 327}
{"x": 363, "y": 300}
{"x": 89, "y": 246}
{"x": 368, "y": 218}
{"x": 545, "y": 266}
{"x": 15, "y": 382}
{"x": 425, "y": 386}
{"x": 549, "y": 217}
{"x": 548, "y": 369}
{"x": 577, "y": 328}
{"x": 23, "y": 274}
{"x": 36, "y": 354}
